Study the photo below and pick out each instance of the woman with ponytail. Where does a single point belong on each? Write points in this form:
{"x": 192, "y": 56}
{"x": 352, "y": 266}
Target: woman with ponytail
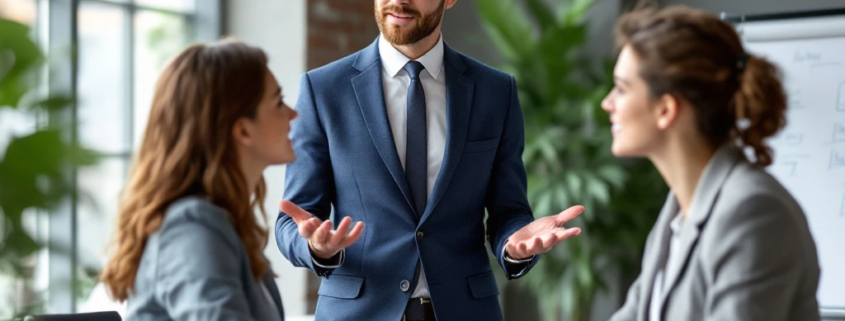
{"x": 731, "y": 243}
{"x": 189, "y": 245}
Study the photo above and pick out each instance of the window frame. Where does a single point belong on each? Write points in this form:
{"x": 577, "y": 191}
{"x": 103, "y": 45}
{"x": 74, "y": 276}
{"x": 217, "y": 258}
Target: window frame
{"x": 58, "y": 19}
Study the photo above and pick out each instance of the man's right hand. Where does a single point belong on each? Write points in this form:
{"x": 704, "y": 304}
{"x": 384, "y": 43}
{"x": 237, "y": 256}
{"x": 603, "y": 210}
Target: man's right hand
{"x": 323, "y": 242}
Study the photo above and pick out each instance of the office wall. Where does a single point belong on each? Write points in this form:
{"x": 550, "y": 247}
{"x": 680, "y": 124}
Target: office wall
{"x": 337, "y": 28}
{"x": 279, "y": 28}
{"x": 758, "y": 6}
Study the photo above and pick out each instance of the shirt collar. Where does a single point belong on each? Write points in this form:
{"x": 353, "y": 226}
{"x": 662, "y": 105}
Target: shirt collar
{"x": 393, "y": 61}
{"x": 677, "y": 223}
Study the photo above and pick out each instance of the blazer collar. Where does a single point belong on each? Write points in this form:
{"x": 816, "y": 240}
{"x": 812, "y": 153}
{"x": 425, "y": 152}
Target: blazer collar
{"x": 711, "y": 181}
{"x": 705, "y": 197}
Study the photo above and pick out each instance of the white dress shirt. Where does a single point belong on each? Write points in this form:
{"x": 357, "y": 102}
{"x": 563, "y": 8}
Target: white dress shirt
{"x": 659, "y": 279}
{"x": 395, "y": 83}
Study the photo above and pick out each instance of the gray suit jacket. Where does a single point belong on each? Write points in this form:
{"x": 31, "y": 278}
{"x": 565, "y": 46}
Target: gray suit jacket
{"x": 195, "y": 267}
{"x": 746, "y": 252}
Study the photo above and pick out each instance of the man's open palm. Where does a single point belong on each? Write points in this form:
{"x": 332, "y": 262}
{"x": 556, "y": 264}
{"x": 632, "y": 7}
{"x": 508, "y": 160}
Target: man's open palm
{"x": 322, "y": 240}
{"x": 541, "y": 235}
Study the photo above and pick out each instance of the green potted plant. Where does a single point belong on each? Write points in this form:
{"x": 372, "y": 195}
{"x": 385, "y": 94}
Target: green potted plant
{"x": 567, "y": 153}
{"x": 36, "y": 166}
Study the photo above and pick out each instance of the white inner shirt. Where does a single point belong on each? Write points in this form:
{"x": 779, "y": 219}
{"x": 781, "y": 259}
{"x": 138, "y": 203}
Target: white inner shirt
{"x": 659, "y": 280}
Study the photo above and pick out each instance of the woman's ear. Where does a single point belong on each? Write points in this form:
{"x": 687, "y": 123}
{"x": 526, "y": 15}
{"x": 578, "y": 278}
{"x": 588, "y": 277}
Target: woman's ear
{"x": 666, "y": 111}
{"x": 242, "y": 132}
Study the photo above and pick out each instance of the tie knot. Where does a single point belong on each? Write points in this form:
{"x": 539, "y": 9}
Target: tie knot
{"x": 414, "y": 68}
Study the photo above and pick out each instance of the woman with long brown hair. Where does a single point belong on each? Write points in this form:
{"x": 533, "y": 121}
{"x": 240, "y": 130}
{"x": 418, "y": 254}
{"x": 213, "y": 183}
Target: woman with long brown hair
{"x": 189, "y": 245}
{"x": 731, "y": 242}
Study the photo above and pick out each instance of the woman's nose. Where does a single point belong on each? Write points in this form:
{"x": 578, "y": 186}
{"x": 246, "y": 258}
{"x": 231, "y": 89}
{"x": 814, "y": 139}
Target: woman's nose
{"x": 606, "y": 104}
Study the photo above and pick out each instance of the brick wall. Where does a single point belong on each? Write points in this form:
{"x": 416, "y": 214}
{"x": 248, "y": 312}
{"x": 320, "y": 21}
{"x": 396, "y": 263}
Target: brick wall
{"x": 337, "y": 28}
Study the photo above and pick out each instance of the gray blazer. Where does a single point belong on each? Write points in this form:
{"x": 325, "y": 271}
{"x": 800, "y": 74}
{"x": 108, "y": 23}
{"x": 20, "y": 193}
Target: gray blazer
{"x": 746, "y": 252}
{"x": 195, "y": 267}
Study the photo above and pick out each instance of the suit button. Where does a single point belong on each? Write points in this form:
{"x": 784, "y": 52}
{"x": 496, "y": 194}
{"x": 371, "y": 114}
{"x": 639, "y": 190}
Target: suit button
{"x": 404, "y": 285}
{"x": 420, "y": 234}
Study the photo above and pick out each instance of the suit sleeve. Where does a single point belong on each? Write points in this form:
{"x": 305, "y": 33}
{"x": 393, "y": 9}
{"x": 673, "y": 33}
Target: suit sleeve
{"x": 757, "y": 264}
{"x": 309, "y": 182}
{"x": 204, "y": 286}
{"x": 628, "y": 311}
{"x": 507, "y": 200}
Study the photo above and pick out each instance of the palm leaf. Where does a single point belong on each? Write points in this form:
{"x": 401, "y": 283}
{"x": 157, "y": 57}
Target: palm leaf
{"x": 567, "y": 151}
{"x": 542, "y": 13}
{"x": 507, "y": 26}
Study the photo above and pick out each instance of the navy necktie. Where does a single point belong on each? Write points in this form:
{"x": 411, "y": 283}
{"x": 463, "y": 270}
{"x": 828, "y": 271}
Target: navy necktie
{"x": 416, "y": 154}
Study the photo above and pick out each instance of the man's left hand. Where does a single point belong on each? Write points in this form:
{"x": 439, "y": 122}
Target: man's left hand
{"x": 542, "y": 234}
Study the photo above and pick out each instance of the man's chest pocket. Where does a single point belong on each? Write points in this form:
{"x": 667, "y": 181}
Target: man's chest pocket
{"x": 481, "y": 146}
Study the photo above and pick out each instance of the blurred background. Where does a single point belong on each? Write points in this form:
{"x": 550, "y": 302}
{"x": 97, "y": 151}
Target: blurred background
{"x": 87, "y": 118}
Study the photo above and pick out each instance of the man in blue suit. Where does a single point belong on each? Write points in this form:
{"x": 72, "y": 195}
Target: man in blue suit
{"x": 414, "y": 140}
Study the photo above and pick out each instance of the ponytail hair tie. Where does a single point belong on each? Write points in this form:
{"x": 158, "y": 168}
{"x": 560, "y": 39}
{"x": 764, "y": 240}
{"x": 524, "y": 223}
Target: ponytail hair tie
{"x": 740, "y": 64}
{"x": 742, "y": 123}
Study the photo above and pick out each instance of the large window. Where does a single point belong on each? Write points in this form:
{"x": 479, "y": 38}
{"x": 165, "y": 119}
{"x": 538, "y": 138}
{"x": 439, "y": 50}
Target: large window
{"x": 122, "y": 46}
{"x": 122, "y": 49}
{"x": 19, "y": 10}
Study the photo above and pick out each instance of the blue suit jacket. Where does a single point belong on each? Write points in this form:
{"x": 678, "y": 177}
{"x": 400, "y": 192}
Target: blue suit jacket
{"x": 347, "y": 162}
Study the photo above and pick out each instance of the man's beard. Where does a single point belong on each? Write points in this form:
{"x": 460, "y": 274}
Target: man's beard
{"x": 426, "y": 24}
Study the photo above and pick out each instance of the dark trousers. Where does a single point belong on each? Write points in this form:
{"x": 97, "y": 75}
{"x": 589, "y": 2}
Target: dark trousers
{"x": 419, "y": 309}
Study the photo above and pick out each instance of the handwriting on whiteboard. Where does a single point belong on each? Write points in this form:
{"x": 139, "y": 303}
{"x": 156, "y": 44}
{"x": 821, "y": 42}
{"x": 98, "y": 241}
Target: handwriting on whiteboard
{"x": 788, "y": 163}
{"x": 842, "y": 206}
{"x": 795, "y": 99}
{"x": 790, "y": 166}
{"x": 806, "y": 56}
{"x": 823, "y": 66}
{"x": 838, "y": 132}
{"x": 793, "y": 139}
{"x": 788, "y": 139}
{"x": 840, "y": 99}
{"x": 837, "y": 158}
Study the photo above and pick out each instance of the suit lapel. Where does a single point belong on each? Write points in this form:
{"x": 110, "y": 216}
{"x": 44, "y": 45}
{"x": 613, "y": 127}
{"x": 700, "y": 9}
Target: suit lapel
{"x": 706, "y": 195}
{"x": 370, "y": 95}
{"x": 459, "y": 91}
{"x": 270, "y": 284}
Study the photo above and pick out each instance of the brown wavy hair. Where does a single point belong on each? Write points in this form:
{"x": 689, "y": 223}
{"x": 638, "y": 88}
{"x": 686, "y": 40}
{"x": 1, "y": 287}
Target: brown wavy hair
{"x": 188, "y": 149}
{"x": 693, "y": 55}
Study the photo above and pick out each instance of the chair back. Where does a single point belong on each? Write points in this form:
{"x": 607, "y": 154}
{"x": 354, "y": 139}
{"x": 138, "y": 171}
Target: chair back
{"x": 92, "y": 316}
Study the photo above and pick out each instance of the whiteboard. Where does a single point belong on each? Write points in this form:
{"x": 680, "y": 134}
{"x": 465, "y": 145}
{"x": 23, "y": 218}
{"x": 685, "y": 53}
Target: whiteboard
{"x": 809, "y": 153}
